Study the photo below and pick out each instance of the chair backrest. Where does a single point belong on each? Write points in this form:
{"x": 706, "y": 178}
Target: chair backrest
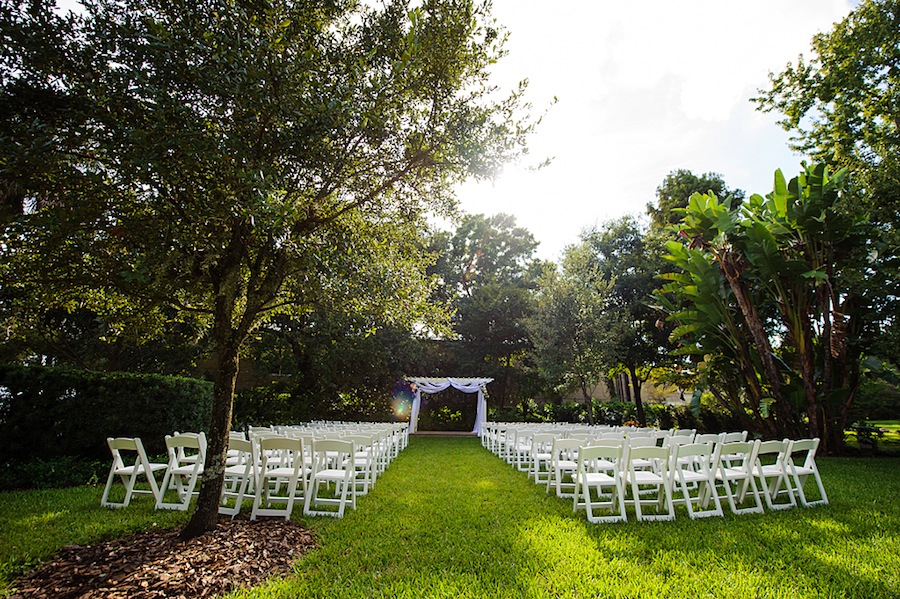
{"x": 542, "y": 442}
{"x": 562, "y": 444}
{"x": 186, "y": 447}
{"x": 684, "y": 432}
{"x": 744, "y": 451}
{"x": 657, "y": 455}
{"x": 602, "y": 452}
{"x": 641, "y": 441}
{"x": 675, "y": 441}
{"x": 334, "y": 452}
{"x": 278, "y": 443}
{"x": 565, "y": 448}
{"x": 772, "y": 453}
{"x": 364, "y": 443}
{"x": 735, "y": 437}
{"x": 776, "y": 448}
{"x": 620, "y": 442}
{"x": 703, "y": 453}
{"x": 807, "y": 448}
{"x": 242, "y": 447}
{"x": 118, "y": 445}
{"x": 710, "y": 438}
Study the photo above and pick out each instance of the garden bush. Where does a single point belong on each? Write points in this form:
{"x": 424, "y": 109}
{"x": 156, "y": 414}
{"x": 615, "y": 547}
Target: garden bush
{"x": 51, "y": 413}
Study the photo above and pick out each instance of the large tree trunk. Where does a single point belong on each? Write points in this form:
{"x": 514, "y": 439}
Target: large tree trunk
{"x": 206, "y": 512}
{"x": 638, "y": 404}
{"x": 227, "y": 342}
{"x": 731, "y": 268}
{"x": 588, "y": 401}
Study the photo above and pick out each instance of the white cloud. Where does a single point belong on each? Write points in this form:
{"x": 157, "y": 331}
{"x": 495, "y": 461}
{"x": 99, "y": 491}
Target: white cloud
{"x": 644, "y": 87}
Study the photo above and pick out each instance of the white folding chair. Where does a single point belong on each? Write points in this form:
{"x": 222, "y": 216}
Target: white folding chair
{"x": 281, "y": 466}
{"x": 240, "y": 472}
{"x": 733, "y": 437}
{"x": 333, "y": 463}
{"x": 734, "y": 475}
{"x": 691, "y": 470}
{"x": 522, "y": 457}
{"x": 563, "y": 464}
{"x": 805, "y": 449}
{"x": 600, "y": 467}
{"x": 641, "y": 441}
{"x": 365, "y": 462}
{"x": 187, "y": 452}
{"x": 138, "y": 467}
{"x": 770, "y": 468}
{"x": 541, "y": 447}
{"x": 656, "y": 476}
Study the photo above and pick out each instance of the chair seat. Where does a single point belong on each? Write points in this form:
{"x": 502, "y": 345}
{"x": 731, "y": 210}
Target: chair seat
{"x": 235, "y": 470}
{"x": 592, "y": 479}
{"x": 690, "y": 476}
{"x": 731, "y": 474}
{"x": 281, "y": 472}
{"x": 603, "y": 465}
{"x": 646, "y": 477}
{"x": 332, "y": 474}
{"x": 140, "y": 469}
{"x": 187, "y": 470}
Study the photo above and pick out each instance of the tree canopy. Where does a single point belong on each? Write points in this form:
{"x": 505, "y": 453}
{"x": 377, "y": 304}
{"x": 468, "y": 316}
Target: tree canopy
{"x": 677, "y": 188}
{"x": 842, "y": 106}
{"x": 239, "y": 159}
{"x": 487, "y": 274}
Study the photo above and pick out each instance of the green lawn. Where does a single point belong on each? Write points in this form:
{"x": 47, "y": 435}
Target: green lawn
{"x": 887, "y": 438}
{"x": 449, "y": 519}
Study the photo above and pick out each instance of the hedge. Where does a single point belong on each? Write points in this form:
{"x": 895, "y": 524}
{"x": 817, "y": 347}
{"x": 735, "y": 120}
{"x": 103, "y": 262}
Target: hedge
{"x": 50, "y": 413}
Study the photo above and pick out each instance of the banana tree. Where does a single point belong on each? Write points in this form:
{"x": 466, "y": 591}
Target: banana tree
{"x": 762, "y": 298}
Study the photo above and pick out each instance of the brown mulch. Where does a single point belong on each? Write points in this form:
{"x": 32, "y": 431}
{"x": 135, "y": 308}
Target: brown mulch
{"x": 155, "y": 564}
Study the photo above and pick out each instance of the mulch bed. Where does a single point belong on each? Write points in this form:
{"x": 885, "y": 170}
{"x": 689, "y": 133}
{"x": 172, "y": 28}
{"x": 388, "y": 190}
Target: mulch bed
{"x": 154, "y": 564}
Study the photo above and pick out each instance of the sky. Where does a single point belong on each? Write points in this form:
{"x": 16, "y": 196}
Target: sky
{"x": 643, "y": 88}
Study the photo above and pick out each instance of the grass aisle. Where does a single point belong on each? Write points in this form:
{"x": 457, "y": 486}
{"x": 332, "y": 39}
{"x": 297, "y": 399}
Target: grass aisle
{"x": 449, "y": 519}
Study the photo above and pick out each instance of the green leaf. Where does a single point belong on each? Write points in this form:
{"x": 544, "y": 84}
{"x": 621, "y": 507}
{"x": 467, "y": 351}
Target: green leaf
{"x": 695, "y": 401}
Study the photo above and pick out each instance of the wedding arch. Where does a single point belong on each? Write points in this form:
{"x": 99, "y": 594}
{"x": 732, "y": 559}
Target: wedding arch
{"x": 436, "y": 384}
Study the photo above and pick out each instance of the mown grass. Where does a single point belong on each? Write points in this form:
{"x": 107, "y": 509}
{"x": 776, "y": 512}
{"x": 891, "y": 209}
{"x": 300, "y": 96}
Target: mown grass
{"x": 448, "y": 519}
{"x": 887, "y": 438}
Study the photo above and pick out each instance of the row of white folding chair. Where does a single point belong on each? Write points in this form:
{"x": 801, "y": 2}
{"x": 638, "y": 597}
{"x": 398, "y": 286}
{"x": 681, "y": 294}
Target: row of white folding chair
{"x": 700, "y": 473}
{"x": 374, "y": 448}
{"x": 300, "y": 465}
{"x": 393, "y": 437}
{"x": 533, "y": 450}
{"x": 614, "y": 468}
{"x": 261, "y": 467}
{"x": 186, "y": 454}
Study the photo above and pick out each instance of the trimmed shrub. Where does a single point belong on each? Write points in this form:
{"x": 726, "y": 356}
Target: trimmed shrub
{"x": 65, "y": 471}
{"x": 48, "y": 413}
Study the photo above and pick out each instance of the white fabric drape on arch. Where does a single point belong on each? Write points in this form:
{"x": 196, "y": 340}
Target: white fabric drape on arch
{"x": 435, "y": 385}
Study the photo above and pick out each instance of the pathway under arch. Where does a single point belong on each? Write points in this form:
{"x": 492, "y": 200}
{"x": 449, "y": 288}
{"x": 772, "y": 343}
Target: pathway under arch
{"x": 432, "y": 385}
